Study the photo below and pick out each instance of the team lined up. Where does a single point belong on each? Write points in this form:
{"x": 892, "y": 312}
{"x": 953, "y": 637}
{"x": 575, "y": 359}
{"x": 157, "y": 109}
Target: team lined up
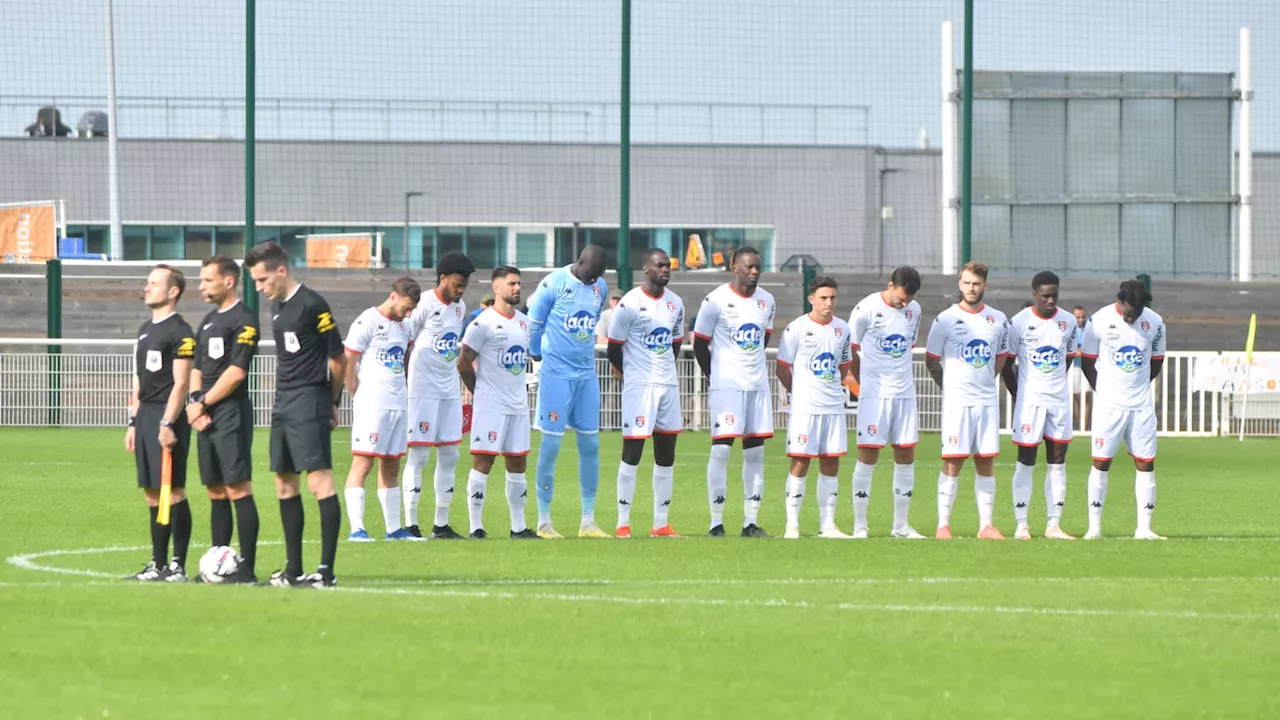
{"x": 404, "y": 361}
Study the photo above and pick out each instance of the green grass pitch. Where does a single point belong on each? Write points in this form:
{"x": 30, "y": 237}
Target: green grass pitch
{"x": 688, "y": 628}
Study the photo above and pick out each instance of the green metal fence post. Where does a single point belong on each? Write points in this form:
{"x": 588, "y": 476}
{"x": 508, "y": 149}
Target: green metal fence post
{"x": 966, "y": 150}
{"x": 624, "y": 160}
{"x": 53, "y": 290}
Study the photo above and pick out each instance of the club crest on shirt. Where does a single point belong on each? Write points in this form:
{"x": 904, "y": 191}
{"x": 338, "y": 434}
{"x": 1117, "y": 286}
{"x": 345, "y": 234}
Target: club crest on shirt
{"x": 493, "y": 436}
{"x": 802, "y": 439}
{"x": 991, "y": 320}
{"x": 873, "y": 430}
{"x": 671, "y": 307}
{"x": 1099, "y": 442}
{"x": 424, "y": 426}
{"x": 1026, "y": 429}
{"x": 953, "y": 440}
{"x": 216, "y": 348}
{"x": 909, "y": 313}
{"x": 373, "y": 437}
{"x": 760, "y": 303}
{"x": 1146, "y": 326}
{"x": 1062, "y": 325}
{"x": 639, "y": 421}
{"x": 553, "y": 416}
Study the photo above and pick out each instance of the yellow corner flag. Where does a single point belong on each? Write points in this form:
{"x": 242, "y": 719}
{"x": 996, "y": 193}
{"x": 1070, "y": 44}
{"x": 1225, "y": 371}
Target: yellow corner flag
{"x": 1248, "y": 371}
{"x": 1248, "y": 345}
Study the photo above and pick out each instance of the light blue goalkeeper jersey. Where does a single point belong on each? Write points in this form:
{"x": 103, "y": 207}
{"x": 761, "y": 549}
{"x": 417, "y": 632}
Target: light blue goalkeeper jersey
{"x": 564, "y": 312}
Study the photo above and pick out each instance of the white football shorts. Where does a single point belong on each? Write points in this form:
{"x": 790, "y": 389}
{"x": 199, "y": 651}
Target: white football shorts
{"x": 498, "y": 434}
{"x": 887, "y": 421}
{"x": 435, "y": 421}
{"x": 970, "y": 431}
{"x": 377, "y": 433}
{"x": 647, "y": 409}
{"x": 810, "y": 436}
{"x": 1137, "y": 428}
{"x": 1033, "y": 424}
{"x": 740, "y": 413}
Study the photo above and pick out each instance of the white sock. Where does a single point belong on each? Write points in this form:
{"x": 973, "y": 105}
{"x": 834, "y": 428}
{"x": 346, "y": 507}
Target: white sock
{"x": 663, "y": 482}
{"x": 904, "y": 482}
{"x": 828, "y": 493}
{"x": 1055, "y": 492}
{"x": 626, "y": 492}
{"x": 1097, "y": 498}
{"x": 984, "y": 486}
{"x": 752, "y": 484}
{"x": 861, "y": 493}
{"x": 946, "y": 498}
{"x": 476, "y": 483}
{"x": 1144, "y": 488}
{"x": 517, "y": 493}
{"x": 717, "y": 482}
{"x": 355, "y": 507}
{"x": 795, "y": 498}
{"x": 411, "y": 481}
{"x": 1023, "y": 475}
{"x": 446, "y": 465}
{"x": 390, "y": 499}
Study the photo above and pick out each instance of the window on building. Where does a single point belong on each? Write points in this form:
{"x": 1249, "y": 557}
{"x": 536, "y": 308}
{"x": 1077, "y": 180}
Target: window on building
{"x": 483, "y": 245}
{"x": 229, "y": 241}
{"x": 166, "y": 242}
{"x": 293, "y": 242}
{"x": 135, "y": 245}
{"x": 450, "y": 240}
{"x": 199, "y": 242}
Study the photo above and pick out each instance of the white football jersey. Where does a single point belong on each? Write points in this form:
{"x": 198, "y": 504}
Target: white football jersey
{"x": 968, "y": 344}
{"x": 382, "y": 344}
{"x": 501, "y": 345}
{"x": 818, "y": 355}
{"x": 647, "y": 326}
{"x": 1044, "y": 348}
{"x": 435, "y": 329}
{"x": 737, "y": 327}
{"x": 885, "y": 335}
{"x": 1124, "y": 353}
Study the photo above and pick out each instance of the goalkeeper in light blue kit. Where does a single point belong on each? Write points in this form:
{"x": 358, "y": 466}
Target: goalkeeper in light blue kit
{"x": 565, "y": 309}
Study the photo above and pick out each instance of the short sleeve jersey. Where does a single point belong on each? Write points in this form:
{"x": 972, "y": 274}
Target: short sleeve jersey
{"x": 885, "y": 335}
{"x": 818, "y": 355}
{"x": 646, "y": 327}
{"x": 435, "y": 329}
{"x": 737, "y": 327}
{"x": 968, "y": 344}
{"x": 1124, "y": 353}
{"x": 382, "y": 344}
{"x": 501, "y": 345}
{"x": 1044, "y": 348}
{"x": 307, "y": 337}
{"x": 227, "y": 338}
{"x": 567, "y": 310}
{"x": 159, "y": 344}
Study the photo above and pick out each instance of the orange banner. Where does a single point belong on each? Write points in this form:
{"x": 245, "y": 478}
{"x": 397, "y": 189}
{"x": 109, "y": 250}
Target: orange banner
{"x": 28, "y": 234}
{"x": 345, "y": 251}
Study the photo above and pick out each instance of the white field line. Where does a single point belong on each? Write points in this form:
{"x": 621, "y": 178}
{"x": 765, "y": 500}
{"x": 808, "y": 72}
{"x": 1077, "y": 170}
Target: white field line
{"x": 28, "y": 562}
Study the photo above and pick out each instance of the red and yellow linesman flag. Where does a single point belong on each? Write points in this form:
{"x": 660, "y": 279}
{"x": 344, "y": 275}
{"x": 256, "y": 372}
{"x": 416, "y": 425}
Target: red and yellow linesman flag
{"x": 166, "y": 485}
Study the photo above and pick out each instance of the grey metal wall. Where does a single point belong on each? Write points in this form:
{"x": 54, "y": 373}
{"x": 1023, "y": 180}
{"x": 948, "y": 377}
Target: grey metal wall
{"x": 820, "y": 200}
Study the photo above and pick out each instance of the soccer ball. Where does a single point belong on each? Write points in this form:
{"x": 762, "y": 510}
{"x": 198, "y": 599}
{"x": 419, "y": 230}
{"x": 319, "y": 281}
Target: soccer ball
{"x": 220, "y": 564}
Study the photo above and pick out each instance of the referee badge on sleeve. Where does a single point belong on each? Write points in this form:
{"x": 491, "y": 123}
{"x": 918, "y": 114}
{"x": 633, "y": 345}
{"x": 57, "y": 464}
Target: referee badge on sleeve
{"x": 154, "y": 361}
{"x": 216, "y": 349}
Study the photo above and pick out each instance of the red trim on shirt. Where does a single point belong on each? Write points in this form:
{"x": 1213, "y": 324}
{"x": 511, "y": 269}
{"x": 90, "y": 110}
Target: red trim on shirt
{"x": 823, "y": 324}
{"x": 700, "y": 335}
{"x": 935, "y": 357}
{"x": 783, "y": 362}
{"x": 972, "y": 312}
{"x": 735, "y": 292}
{"x": 352, "y": 350}
{"x": 1054, "y": 315}
{"x": 646, "y": 293}
{"x": 513, "y": 312}
{"x": 617, "y": 342}
{"x": 1085, "y": 354}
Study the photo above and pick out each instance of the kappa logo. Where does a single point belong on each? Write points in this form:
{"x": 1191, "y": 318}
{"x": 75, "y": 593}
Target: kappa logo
{"x": 493, "y": 436}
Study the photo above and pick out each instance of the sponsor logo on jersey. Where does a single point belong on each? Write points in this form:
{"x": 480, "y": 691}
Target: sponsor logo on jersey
{"x": 823, "y": 366}
{"x": 977, "y": 353}
{"x": 513, "y": 360}
{"x": 1129, "y": 358}
{"x": 580, "y": 325}
{"x": 324, "y": 322}
{"x": 446, "y": 346}
{"x": 895, "y": 346}
{"x": 392, "y": 359}
{"x": 749, "y": 337}
{"x": 658, "y": 340}
{"x": 1045, "y": 358}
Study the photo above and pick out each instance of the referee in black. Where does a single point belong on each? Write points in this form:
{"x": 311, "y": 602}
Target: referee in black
{"x": 310, "y": 365}
{"x": 220, "y": 410}
{"x": 156, "y": 421}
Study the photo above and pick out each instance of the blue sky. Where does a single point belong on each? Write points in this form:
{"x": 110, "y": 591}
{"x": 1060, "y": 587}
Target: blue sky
{"x": 737, "y": 56}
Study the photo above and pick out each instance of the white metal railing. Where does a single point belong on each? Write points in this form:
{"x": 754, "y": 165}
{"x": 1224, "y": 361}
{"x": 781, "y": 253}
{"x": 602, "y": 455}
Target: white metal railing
{"x": 88, "y": 384}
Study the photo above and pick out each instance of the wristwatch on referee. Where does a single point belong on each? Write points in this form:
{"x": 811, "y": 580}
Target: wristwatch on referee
{"x": 196, "y": 396}
{"x": 165, "y": 424}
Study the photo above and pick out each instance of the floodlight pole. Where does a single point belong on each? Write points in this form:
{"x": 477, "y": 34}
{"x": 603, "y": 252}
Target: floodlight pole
{"x": 113, "y": 140}
{"x": 624, "y": 161}
{"x": 1244, "y": 272}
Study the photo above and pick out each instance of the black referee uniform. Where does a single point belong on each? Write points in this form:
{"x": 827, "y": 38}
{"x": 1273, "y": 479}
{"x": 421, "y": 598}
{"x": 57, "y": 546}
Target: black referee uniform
{"x": 159, "y": 344}
{"x": 226, "y": 339}
{"x": 307, "y": 337}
